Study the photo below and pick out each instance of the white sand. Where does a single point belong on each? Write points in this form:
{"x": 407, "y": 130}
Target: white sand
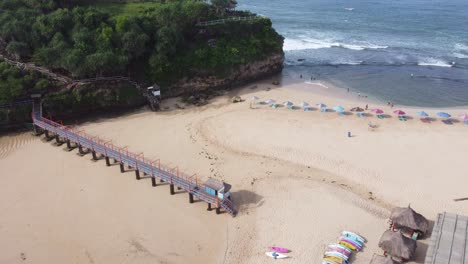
{"x": 299, "y": 181}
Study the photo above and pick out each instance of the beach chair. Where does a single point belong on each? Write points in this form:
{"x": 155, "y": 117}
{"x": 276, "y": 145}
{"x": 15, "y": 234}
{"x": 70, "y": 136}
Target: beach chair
{"x": 274, "y": 105}
{"x": 291, "y": 107}
{"x": 323, "y": 110}
{"x": 380, "y": 117}
{"x": 425, "y": 120}
{"x": 402, "y": 118}
{"x": 341, "y": 114}
{"x": 307, "y": 109}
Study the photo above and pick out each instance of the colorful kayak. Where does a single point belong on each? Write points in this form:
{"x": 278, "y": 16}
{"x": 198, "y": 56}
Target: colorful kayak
{"x": 346, "y": 244}
{"x": 339, "y": 248}
{"x": 354, "y": 236}
{"x": 336, "y": 254}
{"x": 335, "y": 260}
{"x": 279, "y": 249}
{"x": 275, "y": 255}
{"x": 356, "y": 244}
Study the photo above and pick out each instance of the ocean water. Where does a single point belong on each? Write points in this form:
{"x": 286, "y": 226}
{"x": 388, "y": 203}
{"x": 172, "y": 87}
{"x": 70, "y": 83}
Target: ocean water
{"x": 410, "y": 52}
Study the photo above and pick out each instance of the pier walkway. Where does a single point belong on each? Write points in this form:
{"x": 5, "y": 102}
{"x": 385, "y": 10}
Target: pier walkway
{"x": 78, "y": 139}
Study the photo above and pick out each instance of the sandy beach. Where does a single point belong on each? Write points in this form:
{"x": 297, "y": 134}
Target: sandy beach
{"x": 297, "y": 179}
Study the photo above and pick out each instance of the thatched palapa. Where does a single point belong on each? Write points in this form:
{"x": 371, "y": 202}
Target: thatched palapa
{"x": 377, "y": 259}
{"x": 397, "y": 245}
{"x": 408, "y": 218}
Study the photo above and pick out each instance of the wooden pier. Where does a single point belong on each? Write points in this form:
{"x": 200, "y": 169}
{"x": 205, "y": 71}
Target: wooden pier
{"x": 85, "y": 143}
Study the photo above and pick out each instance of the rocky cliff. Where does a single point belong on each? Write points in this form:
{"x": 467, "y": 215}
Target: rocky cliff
{"x": 243, "y": 74}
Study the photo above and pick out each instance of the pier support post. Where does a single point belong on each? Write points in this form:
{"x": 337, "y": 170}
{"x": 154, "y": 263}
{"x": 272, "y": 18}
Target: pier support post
{"x": 80, "y": 150}
{"x": 107, "y": 162}
{"x": 122, "y": 168}
{"x": 115, "y": 160}
{"x": 190, "y": 198}
{"x": 57, "y": 139}
{"x": 209, "y": 207}
{"x": 172, "y": 189}
{"x": 94, "y": 155}
{"x": 38, "y": 130}
{"x": 153, "y": 181}
{"x": 48, "y": 137}
{"x": 218, "y": 210}
{"x": 69, "y": 144}
{"x": 137, "y": 174}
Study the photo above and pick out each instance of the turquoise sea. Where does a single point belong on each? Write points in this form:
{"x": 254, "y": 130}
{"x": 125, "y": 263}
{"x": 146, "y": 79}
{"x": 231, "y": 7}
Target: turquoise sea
{"x": 411, "y": 52}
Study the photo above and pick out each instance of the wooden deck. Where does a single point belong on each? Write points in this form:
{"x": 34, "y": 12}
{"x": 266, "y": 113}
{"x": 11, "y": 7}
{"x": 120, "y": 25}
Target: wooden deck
{"x": 448, "y": 243}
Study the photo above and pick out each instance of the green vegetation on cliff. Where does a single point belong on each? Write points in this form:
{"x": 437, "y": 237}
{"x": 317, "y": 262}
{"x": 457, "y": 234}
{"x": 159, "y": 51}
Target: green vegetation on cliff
{"x": 154, "y": 41}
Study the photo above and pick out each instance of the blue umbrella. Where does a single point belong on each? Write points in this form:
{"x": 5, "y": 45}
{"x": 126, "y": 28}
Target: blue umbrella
{"x": 288, "y": 103}
{"x": 443, "y": 115}
{"x": 338, "y": 108}
{"x": 422, "y": 114}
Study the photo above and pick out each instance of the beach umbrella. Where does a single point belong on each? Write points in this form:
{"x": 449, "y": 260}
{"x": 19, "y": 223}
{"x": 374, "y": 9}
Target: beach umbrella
{"x": 254, "y": 98}
{"x": 287, "y": 103}
{"x": 422, "y": 114}
{"x": 338, "y": 108}
{"x": 304, "y": 104}
{"x": 320, "y": 105}
{"x": 397, "y": 245}
{"x": 376, "y": 259}
{"x": 357, "y": 109}
{"x": 377, "y": 111}
{"x": 464, "y": 116}
{"x": 270, "y": 101}
{"x": 399, "y": 112}
{"x": 443, "y": 115}
{"x": 406, "y": 217}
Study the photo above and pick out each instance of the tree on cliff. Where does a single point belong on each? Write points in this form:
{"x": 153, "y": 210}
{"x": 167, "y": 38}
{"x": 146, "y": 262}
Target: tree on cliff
{"x": 222, "y": 5}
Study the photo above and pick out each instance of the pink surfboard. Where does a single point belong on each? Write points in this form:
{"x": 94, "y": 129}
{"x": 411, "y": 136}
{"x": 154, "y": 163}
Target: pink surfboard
{"x": 279, "y": 249}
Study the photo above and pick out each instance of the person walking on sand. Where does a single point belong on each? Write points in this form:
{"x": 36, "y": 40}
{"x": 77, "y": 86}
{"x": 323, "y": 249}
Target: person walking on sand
{"x": 367, "y": 106}
{"x": 348, "y": 90}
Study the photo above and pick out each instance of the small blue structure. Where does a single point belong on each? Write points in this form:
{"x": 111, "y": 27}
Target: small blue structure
{"x": 217, "y": 188}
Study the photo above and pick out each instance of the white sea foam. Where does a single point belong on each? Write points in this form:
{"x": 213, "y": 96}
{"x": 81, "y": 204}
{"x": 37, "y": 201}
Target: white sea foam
{"x": 309, "y": 43}
{"x": 317, "y": 83}
{"x": 435, "y": 63}
{"x": 460, "y": 55}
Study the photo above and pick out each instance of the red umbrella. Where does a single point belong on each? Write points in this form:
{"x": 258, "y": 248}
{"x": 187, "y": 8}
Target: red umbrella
{"x": 399, "y": 112}
{"x": 377, "y": 111}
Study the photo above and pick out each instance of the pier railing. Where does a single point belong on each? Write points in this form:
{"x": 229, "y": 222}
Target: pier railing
{"x": 153, "y": 168}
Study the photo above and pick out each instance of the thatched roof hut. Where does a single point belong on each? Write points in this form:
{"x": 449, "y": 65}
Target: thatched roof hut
{"x": 377, "y": 259}
{"x": 406, "y": 217}
{"x": 397, "y": 245}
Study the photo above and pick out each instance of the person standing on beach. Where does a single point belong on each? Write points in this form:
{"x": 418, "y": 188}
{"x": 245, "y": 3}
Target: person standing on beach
{"x": 367, "y": 106}
{"x": 348, "y": 90}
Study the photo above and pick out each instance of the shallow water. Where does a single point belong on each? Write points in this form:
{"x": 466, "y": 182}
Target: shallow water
{"x": 412, "y": 52}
